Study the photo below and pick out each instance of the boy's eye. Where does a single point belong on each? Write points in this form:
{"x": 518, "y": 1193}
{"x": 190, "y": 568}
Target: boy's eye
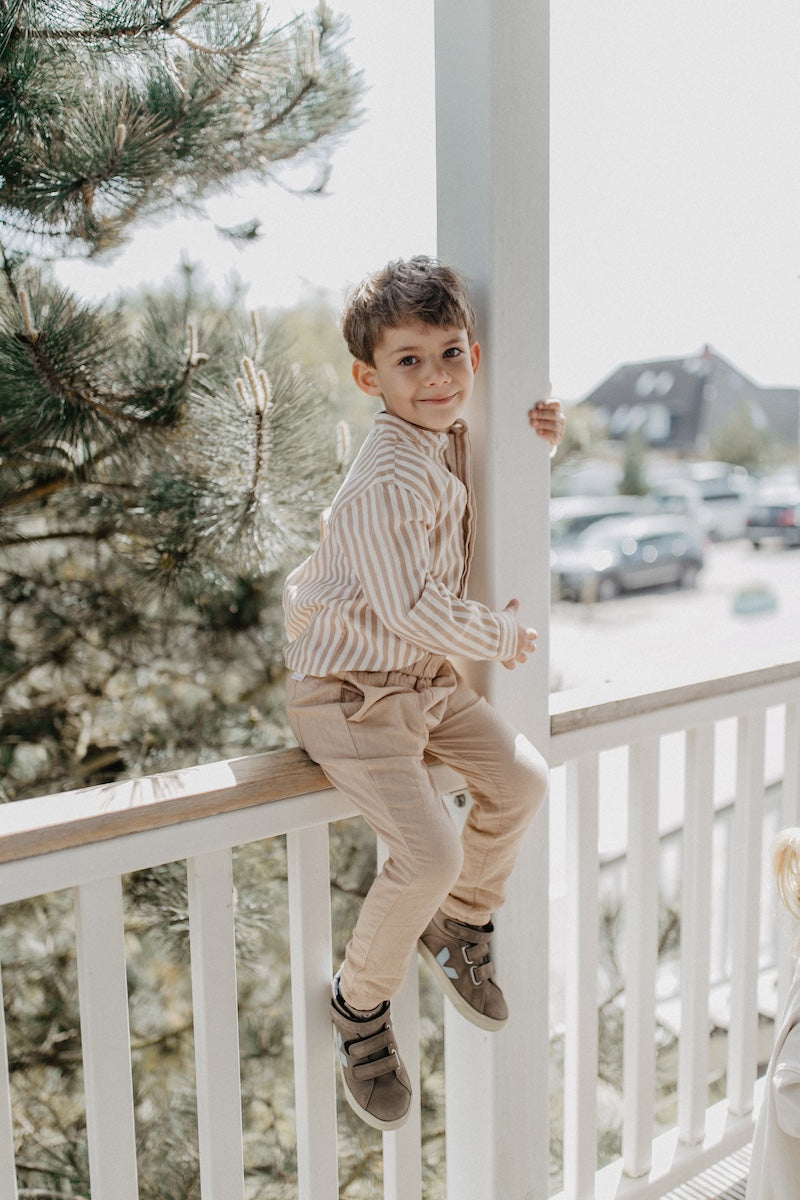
{"x": 453, "y": 352}
{"x": 408, "y": 361}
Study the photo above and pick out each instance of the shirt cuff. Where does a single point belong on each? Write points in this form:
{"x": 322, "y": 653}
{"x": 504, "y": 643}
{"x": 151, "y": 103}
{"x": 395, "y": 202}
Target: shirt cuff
{"x": 508, "y": 637}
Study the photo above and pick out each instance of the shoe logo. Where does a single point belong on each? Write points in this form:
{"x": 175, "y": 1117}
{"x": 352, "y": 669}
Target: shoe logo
{"x": 340, "y": 1048}
{"x": 442, "y": 958}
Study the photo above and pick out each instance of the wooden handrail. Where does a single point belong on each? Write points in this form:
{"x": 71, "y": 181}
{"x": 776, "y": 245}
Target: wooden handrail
{"x": 63, "y": 820}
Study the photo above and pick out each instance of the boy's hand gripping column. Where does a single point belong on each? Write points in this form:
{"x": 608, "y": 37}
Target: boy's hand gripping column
{"x": 526, "y": 639}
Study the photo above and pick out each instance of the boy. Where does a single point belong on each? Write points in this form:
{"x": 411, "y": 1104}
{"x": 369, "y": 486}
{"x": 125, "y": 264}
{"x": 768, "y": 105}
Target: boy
{"x": 372, "y": 617}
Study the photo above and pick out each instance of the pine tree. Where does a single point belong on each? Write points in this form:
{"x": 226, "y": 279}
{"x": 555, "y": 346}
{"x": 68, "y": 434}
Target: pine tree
{"x": 162, "y": 460}
{"x": 162, "y": 451}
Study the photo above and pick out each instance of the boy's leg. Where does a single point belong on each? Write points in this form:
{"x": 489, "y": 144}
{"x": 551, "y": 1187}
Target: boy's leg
{"x": 369, "y": 739}
{"x": 507, "y": 779}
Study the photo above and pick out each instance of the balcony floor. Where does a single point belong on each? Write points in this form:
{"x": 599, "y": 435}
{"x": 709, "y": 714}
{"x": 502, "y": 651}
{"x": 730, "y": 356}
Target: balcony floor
{"x": 726, "y": 1180}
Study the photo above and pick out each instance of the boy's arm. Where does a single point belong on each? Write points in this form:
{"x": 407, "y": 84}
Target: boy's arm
{"x": 386, "y": 537}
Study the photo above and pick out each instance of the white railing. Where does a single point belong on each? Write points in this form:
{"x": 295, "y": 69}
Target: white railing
{"x": 734, "y": 733}
{"x": 671, "y": 740}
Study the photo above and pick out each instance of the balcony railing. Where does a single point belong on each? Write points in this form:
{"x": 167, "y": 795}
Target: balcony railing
{"x": 685, "y": 747}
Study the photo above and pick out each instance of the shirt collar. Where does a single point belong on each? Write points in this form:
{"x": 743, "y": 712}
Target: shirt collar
{"x": 427, "y": 439}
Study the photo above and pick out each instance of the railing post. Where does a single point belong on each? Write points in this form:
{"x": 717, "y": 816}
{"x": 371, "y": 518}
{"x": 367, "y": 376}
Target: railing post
{"x": 402, "y": 1151}
{"x": 216, "y": 1028}
{"x": 492, "y": 126}
{"x": 790, "y": 815}
{"x": 580, "y": 978}
{"x": 745, "y": 890}
{"x": 402, "y": 1148}
{"x": 8, "y": 1170}
{"x": 698, "y": 824}
{"x": 641, "y": 954}
{"x": 308, "y": 860}
{"x": 105, "y": 1038}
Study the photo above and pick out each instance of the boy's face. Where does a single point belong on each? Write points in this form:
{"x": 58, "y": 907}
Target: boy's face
{"x": 422, "y": 373}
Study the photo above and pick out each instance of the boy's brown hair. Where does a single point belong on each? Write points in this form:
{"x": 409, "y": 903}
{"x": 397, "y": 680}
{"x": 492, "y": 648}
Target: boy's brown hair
{"x": 416, "y": 289}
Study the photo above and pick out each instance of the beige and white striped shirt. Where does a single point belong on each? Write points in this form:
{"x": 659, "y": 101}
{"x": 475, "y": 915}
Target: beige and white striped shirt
{"x": 386, "y": 586}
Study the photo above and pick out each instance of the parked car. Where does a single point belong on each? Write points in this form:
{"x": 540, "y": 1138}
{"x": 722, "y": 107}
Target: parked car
{"x": 725, "y": 494}
{"x": 571, "y": 515}
{"x": 715, "y": 495}
{"x": 683, "y": 498}
{"x": 775, "y": 515}
{"x": 620, "y": 554}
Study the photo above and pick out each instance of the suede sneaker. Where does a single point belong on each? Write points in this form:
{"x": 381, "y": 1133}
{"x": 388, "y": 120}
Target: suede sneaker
{"x": 460, "y": 958}
{"x": 376, "y": 1084}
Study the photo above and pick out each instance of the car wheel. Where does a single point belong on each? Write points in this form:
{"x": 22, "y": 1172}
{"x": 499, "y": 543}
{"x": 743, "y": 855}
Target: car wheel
{"x": 607, "y": 588}
{"x": 688, "y": 577}
{"x": 755, "y": 545}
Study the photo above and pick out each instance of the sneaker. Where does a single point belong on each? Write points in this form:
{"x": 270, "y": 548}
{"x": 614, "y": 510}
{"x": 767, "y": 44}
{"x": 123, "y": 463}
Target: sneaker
{"x": 376, "y": 1084}
{"x": 459, "y": 957}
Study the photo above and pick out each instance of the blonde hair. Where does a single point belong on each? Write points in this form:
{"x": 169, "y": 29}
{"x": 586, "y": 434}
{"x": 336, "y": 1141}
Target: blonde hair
{"x": 419, "y": 289}
{"x": 786, "y": 865}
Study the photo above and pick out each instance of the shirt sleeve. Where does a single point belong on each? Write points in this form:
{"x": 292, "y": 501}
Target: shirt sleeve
{"x": 786, "y": 1084}
{"x": 386, "y": 533}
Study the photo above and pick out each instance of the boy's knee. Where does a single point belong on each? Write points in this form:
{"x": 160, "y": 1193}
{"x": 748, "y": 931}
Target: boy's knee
{"x": 439, "y": 864}
{"x": 529, "y": 776}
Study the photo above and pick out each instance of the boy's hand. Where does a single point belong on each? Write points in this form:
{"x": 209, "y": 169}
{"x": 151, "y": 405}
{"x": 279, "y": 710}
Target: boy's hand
{"x": 548, "y": 420}
{"x": 526, "y": 639}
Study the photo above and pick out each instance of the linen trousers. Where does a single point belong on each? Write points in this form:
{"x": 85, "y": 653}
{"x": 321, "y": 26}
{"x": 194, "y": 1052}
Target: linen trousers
{"x": 368, "y": 731}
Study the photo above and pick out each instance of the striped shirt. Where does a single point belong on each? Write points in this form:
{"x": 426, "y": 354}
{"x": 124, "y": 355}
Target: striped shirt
{"x": 386, "y": 585}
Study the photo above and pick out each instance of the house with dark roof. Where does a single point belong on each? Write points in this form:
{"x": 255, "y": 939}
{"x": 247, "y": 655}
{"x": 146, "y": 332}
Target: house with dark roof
{"x": 678, "y": 403}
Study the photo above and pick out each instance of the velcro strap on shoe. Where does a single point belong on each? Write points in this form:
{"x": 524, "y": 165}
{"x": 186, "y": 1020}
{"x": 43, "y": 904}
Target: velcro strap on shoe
{"x": 361, "y": 1049}
{"x": 482, "y": 973}
{"x": 381, "y": 1066}
{"x": 476, "y": 954}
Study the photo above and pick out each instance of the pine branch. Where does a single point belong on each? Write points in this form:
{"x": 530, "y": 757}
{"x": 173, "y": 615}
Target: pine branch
{"x": 90, "y": 144}
{"x": 255, "y": 397}
{"x": 162, "y": 25}
{"x": 56, "y": 535}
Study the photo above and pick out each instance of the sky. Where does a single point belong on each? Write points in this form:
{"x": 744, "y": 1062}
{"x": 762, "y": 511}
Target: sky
{"x": 675, "y": 186}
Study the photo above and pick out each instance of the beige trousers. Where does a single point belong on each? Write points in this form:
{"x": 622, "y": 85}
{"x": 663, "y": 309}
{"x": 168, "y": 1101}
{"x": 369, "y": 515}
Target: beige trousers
{"x": 368, "y": 731}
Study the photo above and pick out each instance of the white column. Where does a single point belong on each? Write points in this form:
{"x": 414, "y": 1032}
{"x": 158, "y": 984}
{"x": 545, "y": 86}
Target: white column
{"x": 492, "y": 92}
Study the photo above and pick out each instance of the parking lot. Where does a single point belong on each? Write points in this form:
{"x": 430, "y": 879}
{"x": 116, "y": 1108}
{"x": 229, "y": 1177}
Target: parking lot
{"x": 744, "y": 613}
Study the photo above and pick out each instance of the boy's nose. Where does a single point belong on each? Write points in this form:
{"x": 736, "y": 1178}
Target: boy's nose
{"x": 438, "y": 374}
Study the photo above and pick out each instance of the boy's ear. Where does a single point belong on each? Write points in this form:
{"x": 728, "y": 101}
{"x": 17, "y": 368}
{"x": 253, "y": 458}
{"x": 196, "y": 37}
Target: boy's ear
{"x": 366, "y": 377}
{"x": 475, "y": 356}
